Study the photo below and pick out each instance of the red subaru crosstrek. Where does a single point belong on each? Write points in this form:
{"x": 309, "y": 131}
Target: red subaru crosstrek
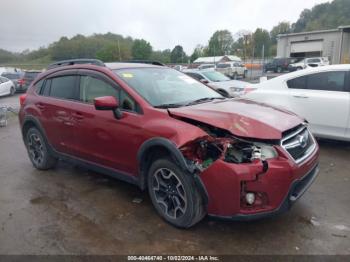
{"x": 195, "y": 151}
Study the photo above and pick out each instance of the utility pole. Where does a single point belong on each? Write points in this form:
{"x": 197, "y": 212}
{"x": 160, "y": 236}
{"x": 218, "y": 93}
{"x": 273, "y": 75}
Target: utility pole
{"x": 120, "y": 57}
{"x": 263, "y": 57}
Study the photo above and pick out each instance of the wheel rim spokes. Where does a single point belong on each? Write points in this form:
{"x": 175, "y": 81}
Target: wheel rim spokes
{"x": 169, "y": 193}
{"x": 35, "y": 148}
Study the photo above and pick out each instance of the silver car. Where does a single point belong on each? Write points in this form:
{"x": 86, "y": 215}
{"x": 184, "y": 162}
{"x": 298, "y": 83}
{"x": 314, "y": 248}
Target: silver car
{"x": 220, "y": 82}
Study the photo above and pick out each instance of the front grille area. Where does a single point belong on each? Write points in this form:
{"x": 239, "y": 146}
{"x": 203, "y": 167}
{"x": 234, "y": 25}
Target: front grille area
{"x": 299, "y": 143}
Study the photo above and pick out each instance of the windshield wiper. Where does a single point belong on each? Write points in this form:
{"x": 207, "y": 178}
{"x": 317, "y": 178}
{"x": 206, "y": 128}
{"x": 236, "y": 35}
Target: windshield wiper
{"x": 204, "y": 99}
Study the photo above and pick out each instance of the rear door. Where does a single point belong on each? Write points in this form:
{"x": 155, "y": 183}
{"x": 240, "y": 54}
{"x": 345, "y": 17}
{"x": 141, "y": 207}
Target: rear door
{"x": 323, "y": 100}
{"x": 56, "y": 108}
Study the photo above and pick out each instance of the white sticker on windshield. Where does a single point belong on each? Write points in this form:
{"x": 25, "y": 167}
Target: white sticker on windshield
{"x": 187, "y": 79}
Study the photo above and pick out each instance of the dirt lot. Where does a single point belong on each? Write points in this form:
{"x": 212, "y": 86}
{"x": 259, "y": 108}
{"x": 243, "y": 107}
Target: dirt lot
{"x": 70, "y": 210}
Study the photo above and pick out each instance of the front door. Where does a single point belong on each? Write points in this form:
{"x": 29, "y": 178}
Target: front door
{"x": 101, "y": 138}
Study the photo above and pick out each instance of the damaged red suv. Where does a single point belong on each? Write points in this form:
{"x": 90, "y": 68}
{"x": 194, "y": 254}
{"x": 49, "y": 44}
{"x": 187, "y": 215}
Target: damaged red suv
{"x": 195, "y": 151}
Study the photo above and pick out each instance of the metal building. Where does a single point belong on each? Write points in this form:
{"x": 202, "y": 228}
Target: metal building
{"x": 334, "y": 44}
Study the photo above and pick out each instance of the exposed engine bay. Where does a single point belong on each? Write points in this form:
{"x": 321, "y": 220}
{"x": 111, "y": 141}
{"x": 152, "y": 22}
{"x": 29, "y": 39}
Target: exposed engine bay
{"x": 220, "y": 144}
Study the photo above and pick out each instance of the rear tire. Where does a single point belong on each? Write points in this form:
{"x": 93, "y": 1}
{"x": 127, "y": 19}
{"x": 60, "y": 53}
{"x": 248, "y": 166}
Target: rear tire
{"x": 38, "y": 150}
{"x": 174, "y": 194}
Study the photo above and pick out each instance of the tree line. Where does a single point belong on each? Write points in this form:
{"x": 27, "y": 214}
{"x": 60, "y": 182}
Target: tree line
{"x": 114, "y": 47}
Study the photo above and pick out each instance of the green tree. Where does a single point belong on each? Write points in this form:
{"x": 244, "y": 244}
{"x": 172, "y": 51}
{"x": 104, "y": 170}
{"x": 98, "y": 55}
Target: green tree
{"x": 220, "y": 43}
{"x": 324, "y": 16}
{"x": 114, "y": 51}
{"x": 197, "y": 52}
{"x": 162, "y": 56}
{"x": 281, "y": 28}
{"x": 178, "y": 55}
{"x": 261, "y": 39}
{"x": 141, "y": 49}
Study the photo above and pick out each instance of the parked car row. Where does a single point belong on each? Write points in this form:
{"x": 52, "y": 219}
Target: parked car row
{"x": 17, "y": 81}
{"x": 231, "y": 69}
{"x": 279, "y": 65}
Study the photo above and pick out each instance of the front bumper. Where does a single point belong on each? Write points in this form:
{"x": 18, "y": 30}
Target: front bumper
{"x": 297, "y": 189}
{"x": 276, "y": 183}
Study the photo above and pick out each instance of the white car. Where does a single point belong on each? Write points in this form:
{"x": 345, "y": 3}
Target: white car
{"x": 232, "y": 69}
{"x": 309, "y": 62}
{"x": 321, "y": 95}
{"x": 220, "y": 82}
{"x": 7, "y": 87}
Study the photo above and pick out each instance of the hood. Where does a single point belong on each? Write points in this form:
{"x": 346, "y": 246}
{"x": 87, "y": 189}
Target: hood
{"x": 241, "y": 117}
{"x": 228, "y": 84}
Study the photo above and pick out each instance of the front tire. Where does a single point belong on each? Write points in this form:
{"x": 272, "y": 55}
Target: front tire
{"x": 174, "y": 194}
{"x": 38, "y": 150}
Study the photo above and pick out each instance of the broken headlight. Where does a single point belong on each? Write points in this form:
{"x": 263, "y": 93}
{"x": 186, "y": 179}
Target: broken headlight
{"x": 264, "y": 152}
{"x": 248, "y": 152}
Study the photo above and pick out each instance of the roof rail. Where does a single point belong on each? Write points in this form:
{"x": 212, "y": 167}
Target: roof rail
{"x": 76, "y": 62}
{"x": 151, "y": 62}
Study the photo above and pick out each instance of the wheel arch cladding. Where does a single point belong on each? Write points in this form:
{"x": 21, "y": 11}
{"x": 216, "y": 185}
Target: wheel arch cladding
{"x": 157, "y": 147}
{"x": 29, "y": 122}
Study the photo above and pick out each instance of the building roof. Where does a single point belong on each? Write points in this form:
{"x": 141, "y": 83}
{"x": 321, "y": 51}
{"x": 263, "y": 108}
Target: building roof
{"x": 215, "y": 59}
{"x": 339, "y": 29}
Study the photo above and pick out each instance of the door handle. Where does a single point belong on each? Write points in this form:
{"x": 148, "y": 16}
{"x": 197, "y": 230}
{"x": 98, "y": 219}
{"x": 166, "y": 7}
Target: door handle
{"x": 300, "y": 96}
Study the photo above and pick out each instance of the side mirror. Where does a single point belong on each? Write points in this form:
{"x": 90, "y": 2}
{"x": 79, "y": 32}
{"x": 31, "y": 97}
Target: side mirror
{"x": 108, "y": 103}
{"x": 204, "y": 81}
{"x": 105, "y": 103}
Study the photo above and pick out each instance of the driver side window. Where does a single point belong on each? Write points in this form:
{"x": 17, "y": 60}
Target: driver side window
{"x": 91, "y": 87}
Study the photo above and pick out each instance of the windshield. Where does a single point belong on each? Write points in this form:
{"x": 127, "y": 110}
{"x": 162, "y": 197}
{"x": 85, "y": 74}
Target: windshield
{"x": 215, "y": 76}
{"x": 165, "y": 86}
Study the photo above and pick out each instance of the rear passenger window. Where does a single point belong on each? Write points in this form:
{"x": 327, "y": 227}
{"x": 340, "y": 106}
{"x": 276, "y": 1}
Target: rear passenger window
{"x": 63, "y": 87}
{"x": 328, "y": 81}
{"x": 297, "y": 83}
{"x": 91, "y": 87}
{"x": 45, "y": 90}
{"x": 38, "y": 86}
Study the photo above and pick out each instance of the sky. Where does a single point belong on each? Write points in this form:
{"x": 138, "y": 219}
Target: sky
{"x": 164, "y": 23}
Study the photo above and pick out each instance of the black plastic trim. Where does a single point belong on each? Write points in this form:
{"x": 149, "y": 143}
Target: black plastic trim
{"x": 175, "y": 152}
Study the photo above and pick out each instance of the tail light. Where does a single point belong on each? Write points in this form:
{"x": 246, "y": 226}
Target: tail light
{"x": 21, "y": 81}
{"x": 22, "y": 99}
